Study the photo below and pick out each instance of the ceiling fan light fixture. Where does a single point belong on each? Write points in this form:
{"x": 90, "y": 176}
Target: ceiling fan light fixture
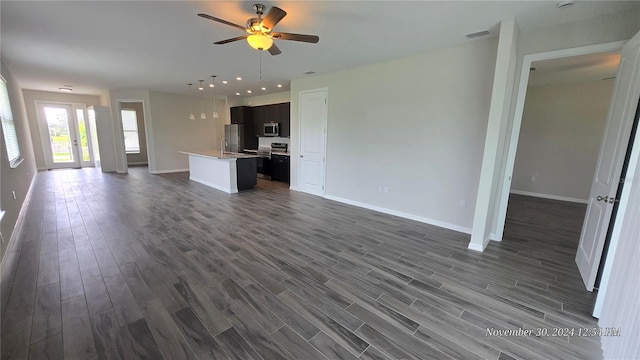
{"x": 260, "y": 41}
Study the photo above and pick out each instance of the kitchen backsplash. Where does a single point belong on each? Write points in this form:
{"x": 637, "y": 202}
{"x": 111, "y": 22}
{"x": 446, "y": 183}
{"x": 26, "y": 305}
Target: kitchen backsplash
{"x": 266, "y": 141}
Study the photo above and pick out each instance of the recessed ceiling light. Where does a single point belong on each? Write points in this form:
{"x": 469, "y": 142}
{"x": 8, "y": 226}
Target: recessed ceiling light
{"x": 65, "y": 89}
{"x": 264, "y": 88}
{"x": 238, "y": 94}
{"x": 249, "y": 91}
{"x": 238, "y": 78}
{"x": 279, "y": 85}
{"x": 225, "y": 82}
{"x": 211, "y": 85}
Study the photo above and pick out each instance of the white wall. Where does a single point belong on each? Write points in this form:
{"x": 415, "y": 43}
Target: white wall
{"x": 30, "y": 96}
{"x": 415, "y": 125}
{"x": 174, "y": 132}
{"x": 17, "y": 179}
{"x": 562, "y": 127}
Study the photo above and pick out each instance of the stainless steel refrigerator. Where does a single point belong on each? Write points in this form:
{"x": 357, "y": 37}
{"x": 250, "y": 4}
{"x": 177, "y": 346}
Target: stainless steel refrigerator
{"x": 234, "y": 136}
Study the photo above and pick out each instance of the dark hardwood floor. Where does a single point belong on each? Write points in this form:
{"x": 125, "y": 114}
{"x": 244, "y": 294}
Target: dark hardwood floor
{"x": 155, "y": 266}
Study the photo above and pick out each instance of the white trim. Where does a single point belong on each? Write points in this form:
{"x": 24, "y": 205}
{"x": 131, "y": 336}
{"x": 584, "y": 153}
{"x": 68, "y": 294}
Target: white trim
{"x": 401, "y": 214}
{"x": 215, "y": 186}
{"x": 549, "y": 196}
{"x": 156, "y": 172}
{"x": 294, "y": 188}
{"x": 519, "y": 109}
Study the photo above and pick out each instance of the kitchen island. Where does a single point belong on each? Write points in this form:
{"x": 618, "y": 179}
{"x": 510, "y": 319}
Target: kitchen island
{"x": 228, "y": 172}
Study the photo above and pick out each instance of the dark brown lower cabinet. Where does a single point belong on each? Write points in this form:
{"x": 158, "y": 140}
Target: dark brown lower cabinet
{"x": 280, "y": 168}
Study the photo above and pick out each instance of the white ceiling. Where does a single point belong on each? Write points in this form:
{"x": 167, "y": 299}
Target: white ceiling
{"x": 162, "y": 45}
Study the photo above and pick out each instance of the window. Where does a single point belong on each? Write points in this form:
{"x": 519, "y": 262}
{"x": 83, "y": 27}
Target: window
{"x": 130, "y": 128}
{"x": 8, "y": 127}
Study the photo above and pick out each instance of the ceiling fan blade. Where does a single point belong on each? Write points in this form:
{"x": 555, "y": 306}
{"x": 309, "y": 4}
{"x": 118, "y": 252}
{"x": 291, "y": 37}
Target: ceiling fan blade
{"x": 273, "y": 17}
{"x": 222, "y": 21}
{"x": 295, "y": 37}
{"x": 274, "y": 50}
{"x": 231, "y": 40}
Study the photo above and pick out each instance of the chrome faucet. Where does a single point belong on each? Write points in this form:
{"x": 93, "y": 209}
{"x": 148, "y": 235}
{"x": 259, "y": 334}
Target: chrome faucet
{"x": 223, "y": 145}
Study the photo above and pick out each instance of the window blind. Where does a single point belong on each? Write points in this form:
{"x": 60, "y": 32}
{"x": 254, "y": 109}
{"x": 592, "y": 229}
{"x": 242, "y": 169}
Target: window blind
{"x": 8, "y": 126}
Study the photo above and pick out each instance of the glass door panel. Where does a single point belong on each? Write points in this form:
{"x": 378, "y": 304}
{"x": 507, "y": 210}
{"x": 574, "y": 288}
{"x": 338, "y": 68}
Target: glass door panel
{"x": 61, "y": 133}
{"x": 84, "y": 139}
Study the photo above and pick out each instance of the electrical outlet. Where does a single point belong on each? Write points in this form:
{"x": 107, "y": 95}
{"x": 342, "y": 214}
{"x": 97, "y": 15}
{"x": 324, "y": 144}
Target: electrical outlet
{"x": 385, "y": 189}
{"x": 14, "y": 195}
{"x": 462, "y": 203}
{"x": 532, "y": 179}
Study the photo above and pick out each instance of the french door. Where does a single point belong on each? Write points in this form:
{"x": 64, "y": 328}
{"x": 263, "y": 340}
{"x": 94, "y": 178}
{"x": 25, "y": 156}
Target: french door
{"x": 65, "y": 137}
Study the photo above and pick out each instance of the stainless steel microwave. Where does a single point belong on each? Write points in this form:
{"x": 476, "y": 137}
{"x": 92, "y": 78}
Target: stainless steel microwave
{"x": 271, "y": 129}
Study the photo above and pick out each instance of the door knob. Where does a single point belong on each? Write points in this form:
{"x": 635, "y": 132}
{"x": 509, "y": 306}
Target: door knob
{"x": 301, "y": 156}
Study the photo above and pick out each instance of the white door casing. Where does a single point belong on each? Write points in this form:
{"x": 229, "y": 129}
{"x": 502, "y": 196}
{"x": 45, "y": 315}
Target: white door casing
{"x": 313, "y": 131}
{"x": 498, "y": 232}
{"x": 610, "y": 161}
{"x": 48, "y": 151}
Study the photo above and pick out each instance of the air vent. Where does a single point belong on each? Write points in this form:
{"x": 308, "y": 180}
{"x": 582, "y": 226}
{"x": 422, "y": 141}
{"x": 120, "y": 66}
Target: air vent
{"x": 565, "y": 4}
{"x": 533, "y": 68}
{"x": 477, "y": 34}
{"x": 609, "y": 78}
{"x": 309, "y": 72}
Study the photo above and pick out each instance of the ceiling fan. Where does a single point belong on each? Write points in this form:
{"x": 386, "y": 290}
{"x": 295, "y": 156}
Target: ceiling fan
{"x": 260, "y": 34}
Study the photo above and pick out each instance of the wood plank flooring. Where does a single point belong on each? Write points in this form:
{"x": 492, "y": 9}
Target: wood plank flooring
{"x": 156, "y": 266}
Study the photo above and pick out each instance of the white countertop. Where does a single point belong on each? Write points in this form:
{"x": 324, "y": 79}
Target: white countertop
{"x": 215, "y": 154}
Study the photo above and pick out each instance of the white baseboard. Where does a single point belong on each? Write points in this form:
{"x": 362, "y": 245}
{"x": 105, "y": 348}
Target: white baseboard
{"x": 476, "y": 247}
{"x": 17, "y": 229}
{"x": 401, "y": 214}
{"x": 551, "y": 197}
{"x": 155, "y": 172}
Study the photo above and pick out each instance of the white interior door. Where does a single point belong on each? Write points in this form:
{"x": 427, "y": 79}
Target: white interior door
{"x": 313, "y": 130}
{"x": 59, "y": 135}
{"x": 610, "y": 161}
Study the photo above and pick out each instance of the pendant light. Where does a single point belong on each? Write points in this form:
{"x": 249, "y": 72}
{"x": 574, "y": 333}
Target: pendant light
{"x": 191, "y": 116}
{"x": 203, "y": 116}
{"x": 215, "y": 113}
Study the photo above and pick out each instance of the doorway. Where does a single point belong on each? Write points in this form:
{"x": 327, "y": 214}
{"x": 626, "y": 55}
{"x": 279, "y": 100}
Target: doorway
{"x": 133, "y": 127}
{"x": 560, "y": 137}
{"x": 66, "y": 140}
